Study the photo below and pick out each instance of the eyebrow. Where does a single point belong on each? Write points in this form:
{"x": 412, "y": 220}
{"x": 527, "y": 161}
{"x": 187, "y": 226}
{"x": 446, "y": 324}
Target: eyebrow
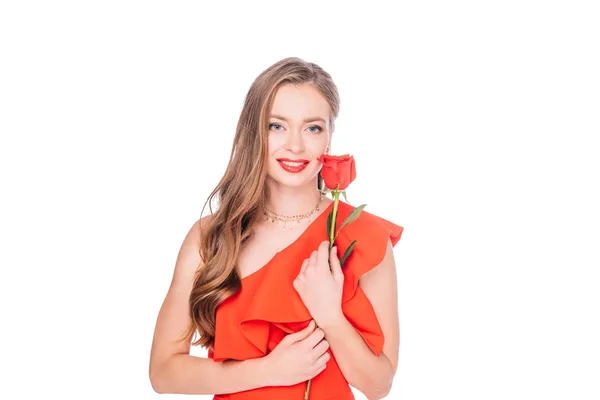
{"x": 310, "y": 119}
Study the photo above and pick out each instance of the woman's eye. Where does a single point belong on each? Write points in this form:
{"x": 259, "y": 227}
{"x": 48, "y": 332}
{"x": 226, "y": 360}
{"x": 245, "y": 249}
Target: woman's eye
{"x": 319, "y": 129}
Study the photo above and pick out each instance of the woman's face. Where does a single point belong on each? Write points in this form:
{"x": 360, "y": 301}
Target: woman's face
{"x": 298, "y": 130}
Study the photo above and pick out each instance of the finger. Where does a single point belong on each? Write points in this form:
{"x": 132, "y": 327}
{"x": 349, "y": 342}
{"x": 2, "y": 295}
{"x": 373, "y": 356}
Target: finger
{"x": 323, "y": 359}
{"x": 321, "y": 348}
{"x": 304, "y": 265}
{"x": 314, "y": 338}
{"x": 323, "y": 251}
{"x": 334, "y": 262}
{"x": 312, "y": 260}
{"x": 320, "y": 369}
{"x": 302, "y": 334}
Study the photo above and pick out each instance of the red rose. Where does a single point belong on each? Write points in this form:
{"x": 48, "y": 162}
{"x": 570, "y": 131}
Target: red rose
{"x": 337, "y": 170}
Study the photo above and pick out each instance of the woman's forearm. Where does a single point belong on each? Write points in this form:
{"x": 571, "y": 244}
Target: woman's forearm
{"x": 370, "y": 374}
{"x": 186, "y": 374}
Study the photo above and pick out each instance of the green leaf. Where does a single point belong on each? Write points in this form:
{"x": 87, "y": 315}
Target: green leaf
{"x": 353, "y": 215}
{"x": 345, "y": 198}
{"x": 347, "y": 252}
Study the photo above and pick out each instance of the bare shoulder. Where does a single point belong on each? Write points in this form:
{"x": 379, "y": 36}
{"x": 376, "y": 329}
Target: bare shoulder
{"x": 193, "y": 235}
{"x": 188, "y": 259}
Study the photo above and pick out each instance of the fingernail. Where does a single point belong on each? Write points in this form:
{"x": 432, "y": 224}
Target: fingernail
{"x": 335, "y": 248}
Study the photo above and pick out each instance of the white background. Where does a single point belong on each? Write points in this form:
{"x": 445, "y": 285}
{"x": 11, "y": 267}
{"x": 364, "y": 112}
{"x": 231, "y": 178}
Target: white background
{"x": 472, "y": 124}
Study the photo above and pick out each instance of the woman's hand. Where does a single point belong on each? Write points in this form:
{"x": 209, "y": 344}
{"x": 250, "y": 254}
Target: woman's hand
{"x": 320, "y": 287}
{"x": 299, "y": 356}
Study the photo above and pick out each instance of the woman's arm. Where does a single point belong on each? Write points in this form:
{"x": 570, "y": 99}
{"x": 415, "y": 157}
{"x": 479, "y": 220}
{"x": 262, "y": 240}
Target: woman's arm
{"x": 186, "y": 374}
{"x": 362, "y": 369}
{"x": 172, "y": 368}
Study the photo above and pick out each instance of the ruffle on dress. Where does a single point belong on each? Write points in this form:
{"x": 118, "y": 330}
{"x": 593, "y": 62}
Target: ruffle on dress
{"x": 268, "y": 307}
{"x": 372, "y": 234}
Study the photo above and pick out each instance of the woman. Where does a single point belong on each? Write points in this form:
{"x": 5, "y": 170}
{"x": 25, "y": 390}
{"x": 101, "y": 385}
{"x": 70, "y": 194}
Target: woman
{"x": 262, "y": 297}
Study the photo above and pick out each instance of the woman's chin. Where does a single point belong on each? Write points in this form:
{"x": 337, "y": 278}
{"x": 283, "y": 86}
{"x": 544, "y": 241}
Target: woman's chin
{"x": 291, "y": 180}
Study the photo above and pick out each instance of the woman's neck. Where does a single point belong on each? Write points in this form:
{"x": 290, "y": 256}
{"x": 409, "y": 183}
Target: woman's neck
{"x": 290, "y": 203}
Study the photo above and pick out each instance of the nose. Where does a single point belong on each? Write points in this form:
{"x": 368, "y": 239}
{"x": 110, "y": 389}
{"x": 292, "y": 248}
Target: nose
{"x": 294, "y": 142}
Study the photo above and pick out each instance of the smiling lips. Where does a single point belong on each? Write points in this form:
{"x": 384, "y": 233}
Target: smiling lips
{"x": 292, "y": 165}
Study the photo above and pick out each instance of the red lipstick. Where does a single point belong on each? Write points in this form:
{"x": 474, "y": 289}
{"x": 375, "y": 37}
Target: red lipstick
{"x": 292, "y": 168}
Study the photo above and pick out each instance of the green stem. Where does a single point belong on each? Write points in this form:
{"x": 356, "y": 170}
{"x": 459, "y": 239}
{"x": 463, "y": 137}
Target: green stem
{"x": 307, "y": 390}
{"x": 332, "y": 236}
{"x": 336, "y": 197}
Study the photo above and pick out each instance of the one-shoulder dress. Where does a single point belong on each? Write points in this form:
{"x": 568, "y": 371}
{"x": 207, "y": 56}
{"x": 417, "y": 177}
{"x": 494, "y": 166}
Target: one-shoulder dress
{"x": 252, "y": 322}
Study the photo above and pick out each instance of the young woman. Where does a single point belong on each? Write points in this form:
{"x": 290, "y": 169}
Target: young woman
{"x": 253, "y": 278}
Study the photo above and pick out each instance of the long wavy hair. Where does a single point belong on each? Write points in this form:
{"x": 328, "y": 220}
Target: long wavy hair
{"x": 242, "y": 192}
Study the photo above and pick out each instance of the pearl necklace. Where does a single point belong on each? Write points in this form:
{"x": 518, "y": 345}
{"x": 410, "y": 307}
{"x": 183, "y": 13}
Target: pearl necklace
{"x": 274, "y": 216}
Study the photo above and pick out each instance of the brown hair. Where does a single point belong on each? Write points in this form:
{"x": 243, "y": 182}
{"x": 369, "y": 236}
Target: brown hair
{"x": 242, "y": 192}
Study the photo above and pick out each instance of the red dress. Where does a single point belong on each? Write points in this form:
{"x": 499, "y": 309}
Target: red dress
{"x": 252, "y": 322}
